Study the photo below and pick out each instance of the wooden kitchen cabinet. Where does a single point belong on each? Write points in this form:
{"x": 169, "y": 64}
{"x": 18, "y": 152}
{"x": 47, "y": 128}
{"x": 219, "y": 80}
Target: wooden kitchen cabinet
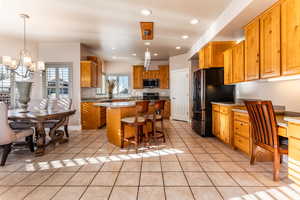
{"x": 92, "y": 117}
{"x": 167, "y": 111}
{"x": 238, "y": 63}
{"x": 290, "y": 38}
{"x": 222, "y": 123}
{"x": 88, "y": 74}
{"x": 212, "y": 54}
{"x": 228, "y": 67}
{"x": 252, "y": 51}
{"x": 270, "y": 56}
{"x": 98, "y": 69}
{"x": 138, "y": 77}
{"x": 241, "y": 129}
{"x": 164, "y": 77}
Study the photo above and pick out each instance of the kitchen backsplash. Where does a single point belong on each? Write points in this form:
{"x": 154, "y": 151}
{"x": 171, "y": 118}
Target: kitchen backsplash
{"x": 92, "y": 92}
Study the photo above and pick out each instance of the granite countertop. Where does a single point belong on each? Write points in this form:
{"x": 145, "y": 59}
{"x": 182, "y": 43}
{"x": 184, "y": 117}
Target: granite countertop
{"x": 117, "y": 104}
{"x": 106, "y": 99}
{"x": 227, "y": 103}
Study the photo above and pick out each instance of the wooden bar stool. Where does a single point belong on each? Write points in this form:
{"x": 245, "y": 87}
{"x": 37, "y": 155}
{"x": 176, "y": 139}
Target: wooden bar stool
{"x": 138, "y": 121}
{"x": 157, "y": 116}
{"x": 265, "y": 132}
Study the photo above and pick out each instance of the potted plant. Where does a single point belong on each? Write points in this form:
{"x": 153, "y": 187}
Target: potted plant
{"x": 111, "y": 84}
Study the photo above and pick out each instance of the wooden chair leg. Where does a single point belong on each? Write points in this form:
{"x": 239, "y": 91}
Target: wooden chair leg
{"x": 253, "y": 154}
{"x": 6, "y": 151}
{"x": 29, "y": 140}
{"x": 276, "y": 166}
{"x": 66, "y": 130}
{"x": 163, "y": 131}
{"x": 122, "y": 135}
{"x": 154, "y": 133}
{"x": 137, "y": 138}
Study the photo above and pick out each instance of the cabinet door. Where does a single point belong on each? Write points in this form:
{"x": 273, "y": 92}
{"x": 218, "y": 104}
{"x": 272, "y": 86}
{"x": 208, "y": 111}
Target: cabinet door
{"x": 138, "y": 77}
{"x": 94, "y": 74}
{"x": 238, "y": 63}
{"x": 90, "y": 116}
{"x": 270, "y": 43}
{"x": 85, "y": 74}
{"x": 216, "y": 123}
{"x": 228, "y": 67}
{"x": 167, "y": 110}
{"x": 252, "y": 51}
{"x": 164, "y": 77}
{"x": 207, "y": 55}
{"x": 290, "y": 29}
{"x": 224, "y": 128}
{"x": 201, "y": 59}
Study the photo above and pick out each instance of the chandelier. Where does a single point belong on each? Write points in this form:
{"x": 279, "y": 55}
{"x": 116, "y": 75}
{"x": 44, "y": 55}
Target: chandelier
{"x": 24, "y": 60}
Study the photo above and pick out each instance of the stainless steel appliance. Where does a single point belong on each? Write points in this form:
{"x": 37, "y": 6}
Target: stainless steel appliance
{"x": 150, "y": 95}
{"x": 208, "y": 86}
{"x": 151, "y": 83}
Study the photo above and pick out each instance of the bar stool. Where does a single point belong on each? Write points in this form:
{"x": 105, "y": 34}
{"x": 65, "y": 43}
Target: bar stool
{"x": 138, "y": 121}
{"x": 157, "y": 116}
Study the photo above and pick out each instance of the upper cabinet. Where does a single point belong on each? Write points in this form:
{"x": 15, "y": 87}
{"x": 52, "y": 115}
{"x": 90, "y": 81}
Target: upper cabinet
{"x": 238, "y": 62}
{"x": 252, "y": 56}
{"x": 290, "y": 29}
{"x": 164, "y": 77}
{"x": 270, "y": 43}
{"x": 212, "y": 54}
{"x": 88, "y": 74}
{"x": 139, "y": 74}
{"x": 234, "y": 64}
{"x": 138, "y": 77}
{"x": 228, "y": 66}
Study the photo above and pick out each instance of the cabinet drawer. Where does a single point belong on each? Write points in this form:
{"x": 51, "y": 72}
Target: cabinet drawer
{"x": 294, "y": 130}
{"x": 241, "y": 128}
{"x": 243, "y": 117}
{"x": 242, "y": 143}
{"x": 294, "y": 149}
{"x": 224, "y": 109}
{"x": 282, "y": 131}
{"x": 216, "y": 107}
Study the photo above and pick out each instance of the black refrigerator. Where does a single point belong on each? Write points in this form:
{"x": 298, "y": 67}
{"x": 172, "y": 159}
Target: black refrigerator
{"x": 208, "y": 86}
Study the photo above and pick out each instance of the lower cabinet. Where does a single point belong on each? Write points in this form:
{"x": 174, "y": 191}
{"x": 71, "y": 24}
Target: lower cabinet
{"x": 222, "y": 122}
{"x": 294, "y": 152}
{"x": 241, "y": 129}
{"x": 92, "y": 117}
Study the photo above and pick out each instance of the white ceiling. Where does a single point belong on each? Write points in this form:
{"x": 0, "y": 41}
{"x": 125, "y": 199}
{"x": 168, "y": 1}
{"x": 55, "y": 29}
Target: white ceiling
{"x": 104, "y": 24}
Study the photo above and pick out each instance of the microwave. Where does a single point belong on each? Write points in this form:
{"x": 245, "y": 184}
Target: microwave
{"x": 151, "y": 83}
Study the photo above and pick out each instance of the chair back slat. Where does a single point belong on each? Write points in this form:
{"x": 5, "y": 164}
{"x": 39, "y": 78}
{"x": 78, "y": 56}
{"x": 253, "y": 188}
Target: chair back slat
{"x": 264, "y": 125}
{"x": 159, "y": 107}
{"x": 142, "y": 107}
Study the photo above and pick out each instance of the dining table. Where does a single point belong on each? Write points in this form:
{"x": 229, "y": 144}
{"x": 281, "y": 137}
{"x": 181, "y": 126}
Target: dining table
{"x": 39, "y": 118}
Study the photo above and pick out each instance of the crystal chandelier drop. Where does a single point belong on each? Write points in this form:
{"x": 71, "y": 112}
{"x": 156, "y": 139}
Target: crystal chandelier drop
{"x": 147, "y": 60}
{"x": 24, "y": 60}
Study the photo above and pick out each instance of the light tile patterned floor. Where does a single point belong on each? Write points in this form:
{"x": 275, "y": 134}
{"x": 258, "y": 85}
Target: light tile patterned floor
{"x": 187, "y": 167}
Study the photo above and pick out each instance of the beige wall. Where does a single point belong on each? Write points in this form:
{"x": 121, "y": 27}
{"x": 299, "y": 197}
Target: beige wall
{"x": 281, "y": 93}
{"x": 69, "y": 53}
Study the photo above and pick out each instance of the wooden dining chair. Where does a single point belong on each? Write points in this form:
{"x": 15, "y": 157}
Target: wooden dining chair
{"x": 265, "y": 132}
{"x": 138, "y": 121}
{"x": 157, "y": 117}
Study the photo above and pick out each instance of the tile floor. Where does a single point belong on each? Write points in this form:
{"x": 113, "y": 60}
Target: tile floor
{"x": 187, "y": 167}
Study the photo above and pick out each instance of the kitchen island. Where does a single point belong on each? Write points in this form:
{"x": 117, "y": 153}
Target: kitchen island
{"x": 115, "y": 111}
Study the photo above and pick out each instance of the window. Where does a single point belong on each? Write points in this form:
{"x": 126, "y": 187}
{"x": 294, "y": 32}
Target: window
{"x": 57, "y": 80}
{"x": 5, "y": 85}
{"x": 122, "y": 87}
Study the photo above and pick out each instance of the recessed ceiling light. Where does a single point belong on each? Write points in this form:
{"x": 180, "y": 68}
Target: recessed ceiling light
{"x": 113, "y": 48}
{"x": 147, "y": 43}
{"x": 134, "y": 54}
{"x": 155, "y": 54}
{"x": 194, "y": 21}
{"x": 114, "y": 57}
{"x": 185, "y": 37}
{"x": 178, "y": 48}
{"x": 146, "y": 12}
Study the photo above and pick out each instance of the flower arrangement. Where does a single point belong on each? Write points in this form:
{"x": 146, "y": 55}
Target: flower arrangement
{"x": 110, "y": 84}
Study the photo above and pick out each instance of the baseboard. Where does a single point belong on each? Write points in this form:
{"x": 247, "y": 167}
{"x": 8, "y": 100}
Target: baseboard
{"x": 74, "y": 127}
